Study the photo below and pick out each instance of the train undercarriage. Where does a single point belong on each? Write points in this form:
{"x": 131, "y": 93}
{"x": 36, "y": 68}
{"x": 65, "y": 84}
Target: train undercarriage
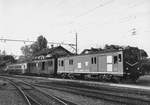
{"x": 100, "y": 77}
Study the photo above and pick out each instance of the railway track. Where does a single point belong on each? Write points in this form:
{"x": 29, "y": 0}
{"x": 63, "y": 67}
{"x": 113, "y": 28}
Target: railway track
{"x": 21, "y": 92}
{"x": 35, "y": 96}
{"x": 119, "y": 96}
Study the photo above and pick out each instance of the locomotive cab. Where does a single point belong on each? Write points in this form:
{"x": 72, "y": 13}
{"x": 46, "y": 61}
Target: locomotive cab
{"x": 131, "y": 63}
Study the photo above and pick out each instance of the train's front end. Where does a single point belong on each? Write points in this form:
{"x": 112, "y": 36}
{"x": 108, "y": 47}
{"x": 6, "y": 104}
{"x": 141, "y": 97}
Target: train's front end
{"x": 132, "y": 63}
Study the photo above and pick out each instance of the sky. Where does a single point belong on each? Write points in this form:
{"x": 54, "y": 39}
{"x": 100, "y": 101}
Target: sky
{"x": 96, "y": 22}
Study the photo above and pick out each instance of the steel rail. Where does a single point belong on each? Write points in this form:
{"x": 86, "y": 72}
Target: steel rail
{"x": 19, "y": 89}
{"x": 53, "y": 96}
{"x": 32, "y": 99}
{"x": 27, "y": 97}
{"x": 61, "y": 101}
{"x": 87, "y": 91}
{"x": 91, "y": 92}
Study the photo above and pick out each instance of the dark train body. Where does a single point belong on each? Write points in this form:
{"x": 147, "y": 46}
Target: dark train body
{"x": 117, "y": 65}
{"x": 43, "y": 67}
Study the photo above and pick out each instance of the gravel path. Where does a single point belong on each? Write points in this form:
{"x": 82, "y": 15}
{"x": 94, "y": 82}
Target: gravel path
{"x": 78, "y": 99}
{"x": 9, "y": 95}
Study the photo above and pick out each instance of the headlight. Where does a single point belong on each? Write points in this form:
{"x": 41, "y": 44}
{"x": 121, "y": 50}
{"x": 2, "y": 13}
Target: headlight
{"x": 138, "y": 68}
{"x": 127, "y": 68}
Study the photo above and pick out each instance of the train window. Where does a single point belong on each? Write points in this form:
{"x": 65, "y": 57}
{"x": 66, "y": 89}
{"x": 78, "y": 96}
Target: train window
{"x": 34, "y": 65}
{"x": 86, "y": 63}
{"x": 115, "y": 59}
{"x": 94, "y": 60}
{"x": 62, "y": 63}
{"x": 43, "y": 65}
{"x": 59, "y": 63}
{"x": 109, "y": 59}
{"x": 79, "y": 65}
{"x": 37, "y": 64}
{"x": 119, "y": 58}
{"x": 24, "y": 66}
{"x": 71, "y": 62}
{"x": 50, "y": 63}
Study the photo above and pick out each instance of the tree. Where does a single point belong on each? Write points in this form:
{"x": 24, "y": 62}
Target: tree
{"x": 41, "y": 42}
{"x": 6, "y": 59}
{"x": 3, "y": 52}
{"x": 38, "y": 45}
{"x": 26, "y": 50}
{"x": 27, "y": 53}
{"x": 9, "y": 58}
{"x": 34, "y": 48}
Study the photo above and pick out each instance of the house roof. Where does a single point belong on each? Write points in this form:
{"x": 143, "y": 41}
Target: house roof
{"x": 54, "y": 51}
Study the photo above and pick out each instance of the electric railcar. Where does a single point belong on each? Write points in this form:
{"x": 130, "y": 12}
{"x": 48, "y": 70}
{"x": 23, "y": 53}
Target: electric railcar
{"x": 43, "y": 67}
{"x": 20, "y": 68}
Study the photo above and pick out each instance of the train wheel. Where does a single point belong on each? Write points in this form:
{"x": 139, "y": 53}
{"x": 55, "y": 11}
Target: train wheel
{"x": 100, "y": 78}
{"x": 132, "y": 79}
{"x": 63, "y": 76}
{"x": 116, "y": 79}
{"x": 87, "y": 77}
{"x": 70, "y": 76}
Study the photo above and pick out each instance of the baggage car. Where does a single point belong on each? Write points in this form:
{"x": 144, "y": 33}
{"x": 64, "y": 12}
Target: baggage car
{"x": 107, "y": 65}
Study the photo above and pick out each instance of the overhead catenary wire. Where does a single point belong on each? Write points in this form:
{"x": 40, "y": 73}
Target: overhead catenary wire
{"x": 4, "y": 39}
{"x": 127, "y": 18}
{"x": 73, "y": 46}
{"x": 89, "y": 11}
{"x": 93, "y": 9}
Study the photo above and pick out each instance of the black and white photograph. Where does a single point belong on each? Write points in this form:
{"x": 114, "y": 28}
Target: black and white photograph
{"x": 74, "y": 52}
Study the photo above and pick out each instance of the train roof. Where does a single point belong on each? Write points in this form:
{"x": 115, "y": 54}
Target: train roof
{"x": 97, "y": 51}
{"x": 89, "y": 52}
{"x": 109, "y": 49}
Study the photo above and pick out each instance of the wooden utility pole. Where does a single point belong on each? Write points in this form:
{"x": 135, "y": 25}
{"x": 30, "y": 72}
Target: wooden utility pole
{"x": 76, "y": 43}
